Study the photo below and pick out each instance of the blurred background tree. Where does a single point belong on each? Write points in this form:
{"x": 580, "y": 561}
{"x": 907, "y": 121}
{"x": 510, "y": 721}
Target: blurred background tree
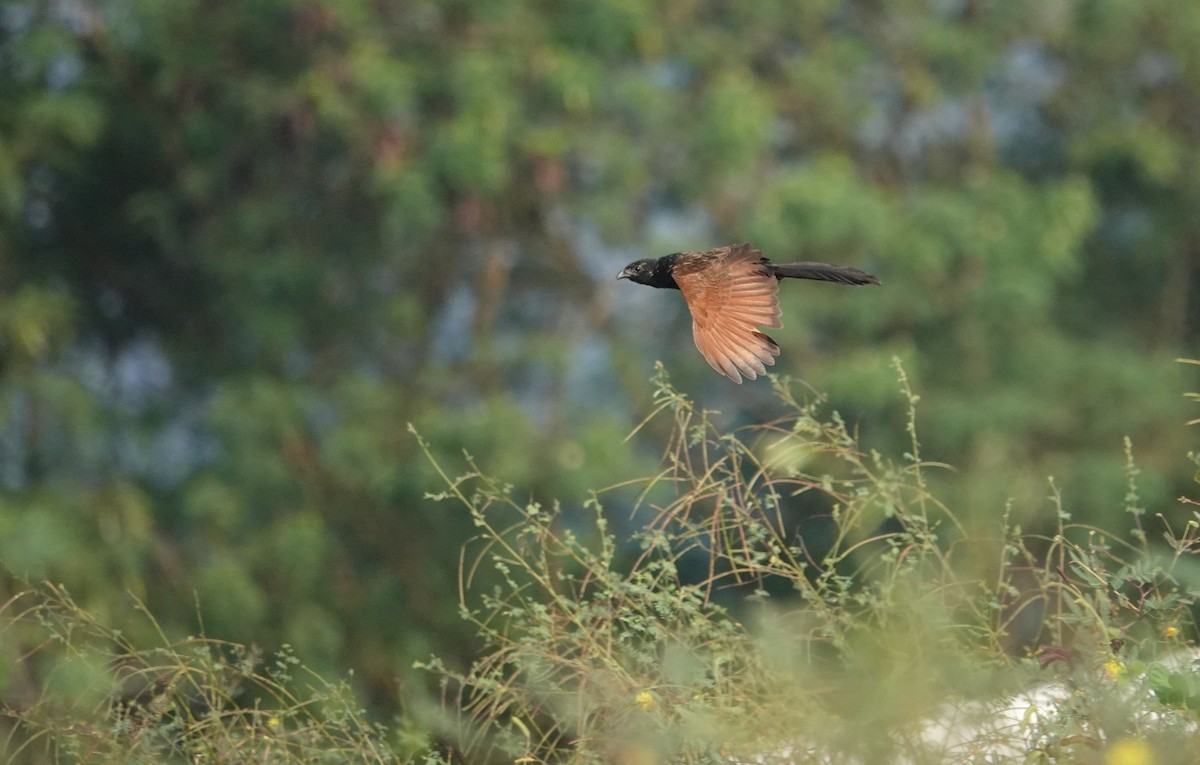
{"x": 243, "y": 242}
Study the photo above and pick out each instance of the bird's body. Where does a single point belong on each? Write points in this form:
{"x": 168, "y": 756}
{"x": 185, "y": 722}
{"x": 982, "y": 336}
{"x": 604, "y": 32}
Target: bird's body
{"x": 731, "y": 292}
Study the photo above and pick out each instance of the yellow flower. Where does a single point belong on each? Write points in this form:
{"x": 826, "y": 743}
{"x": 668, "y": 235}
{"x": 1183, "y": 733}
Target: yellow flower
{"x": 1171, "y": 631}
{"x": 1113, "y": 669}
{"x": 645, "y": 700}
{"x": 1129, "y": 751}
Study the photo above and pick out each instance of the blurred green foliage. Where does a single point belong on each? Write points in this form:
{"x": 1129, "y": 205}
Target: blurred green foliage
{"x": 243, "y": 243}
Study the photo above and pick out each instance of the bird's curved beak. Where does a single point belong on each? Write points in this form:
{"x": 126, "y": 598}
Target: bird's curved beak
{"x": 625, "y": 274}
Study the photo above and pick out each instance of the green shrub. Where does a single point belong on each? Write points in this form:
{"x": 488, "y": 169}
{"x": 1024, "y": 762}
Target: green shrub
{"x": 788, "y": 597}
{"x": 843, "y": 613}
{"x": 85, "y": 694}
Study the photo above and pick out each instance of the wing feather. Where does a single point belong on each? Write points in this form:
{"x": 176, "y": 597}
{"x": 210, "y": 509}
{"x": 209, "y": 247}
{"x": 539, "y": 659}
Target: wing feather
{"x": 730, "y": 294}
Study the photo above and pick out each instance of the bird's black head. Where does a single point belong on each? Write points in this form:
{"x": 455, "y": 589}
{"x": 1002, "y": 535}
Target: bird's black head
{"x": 652, "y": 272}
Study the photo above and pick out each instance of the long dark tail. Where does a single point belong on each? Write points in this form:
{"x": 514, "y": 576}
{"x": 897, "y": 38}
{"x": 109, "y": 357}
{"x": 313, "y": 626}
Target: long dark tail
{"x": 822, "y": 272}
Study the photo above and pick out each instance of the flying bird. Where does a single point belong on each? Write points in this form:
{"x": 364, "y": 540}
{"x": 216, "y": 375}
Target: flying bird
{"x": 731, "y": 292}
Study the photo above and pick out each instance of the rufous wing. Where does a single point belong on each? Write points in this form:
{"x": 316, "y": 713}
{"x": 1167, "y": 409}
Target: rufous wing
{"x": 730, "y": 294}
